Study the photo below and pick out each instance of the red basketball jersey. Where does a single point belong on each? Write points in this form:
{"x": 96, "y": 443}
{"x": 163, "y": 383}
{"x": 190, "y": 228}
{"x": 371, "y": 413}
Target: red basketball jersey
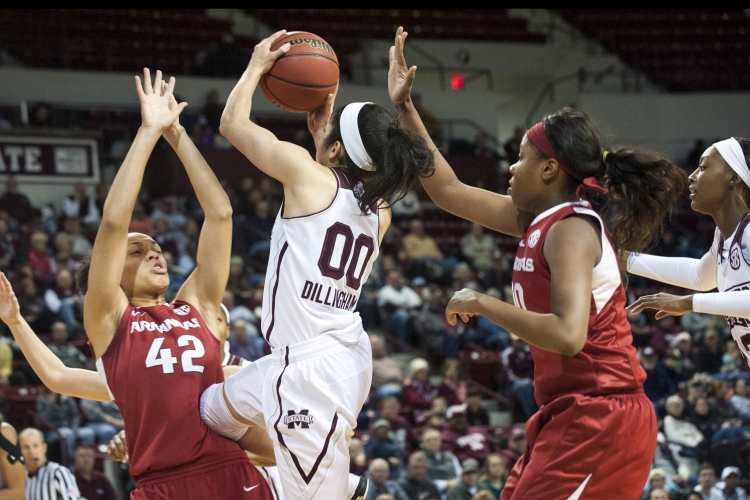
{"x": 160, "y": 361}
{"x": 607, "y": 364}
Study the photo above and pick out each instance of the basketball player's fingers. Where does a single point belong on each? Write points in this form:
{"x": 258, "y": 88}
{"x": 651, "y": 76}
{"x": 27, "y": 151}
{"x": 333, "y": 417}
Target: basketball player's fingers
{"x": 409, "y": 80}
{"x": 465, "y": 317}
{"x": 157, "y": 82}
{"x": 139, "y": 87}
{"x": 147, "y": 88}
{"x": 280, "y": 51}
{"x": 274, "y": 37}
{"x": 169, "y": 90}
{"x": 451, "y": 317}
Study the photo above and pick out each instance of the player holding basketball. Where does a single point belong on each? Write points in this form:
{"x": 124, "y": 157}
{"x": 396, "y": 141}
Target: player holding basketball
{"x": 307, "y": 393}
{"x": 595, "y": 435}
{"x": 156, "y": 358}
{"x": 719, "y": 187}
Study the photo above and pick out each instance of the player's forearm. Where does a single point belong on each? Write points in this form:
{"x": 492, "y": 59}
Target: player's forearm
{"x": 211, "y": 196}
{"x": 118, "y": 208}
{"x": 240, "y": 102}
{"x": 53, "y": 373}
{"x": 545, "y": 331}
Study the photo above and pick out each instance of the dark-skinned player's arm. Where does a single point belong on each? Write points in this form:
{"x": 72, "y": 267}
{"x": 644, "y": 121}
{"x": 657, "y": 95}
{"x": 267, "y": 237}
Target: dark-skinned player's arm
{"x": 14, "y": 475}
{"x": 86, "y": 384}
{"x": 105, "y": 300}
{"x": 486, "y": 208}
{"x": 205, "y": 286}
{"x": 572, "y": 249}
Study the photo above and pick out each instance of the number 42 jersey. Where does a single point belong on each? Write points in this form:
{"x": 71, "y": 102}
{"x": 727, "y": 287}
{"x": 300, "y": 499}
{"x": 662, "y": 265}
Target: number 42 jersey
{"x": 317, "y": 267}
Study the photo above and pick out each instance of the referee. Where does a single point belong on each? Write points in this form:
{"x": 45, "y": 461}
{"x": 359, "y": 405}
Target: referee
{"x": 45, "y": 480}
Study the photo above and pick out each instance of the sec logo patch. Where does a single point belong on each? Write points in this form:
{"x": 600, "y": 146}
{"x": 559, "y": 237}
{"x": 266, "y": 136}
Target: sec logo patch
{"x": 534, "y": 238}
{"x": 734, "y": 258}
{"x": 182, "y": 310}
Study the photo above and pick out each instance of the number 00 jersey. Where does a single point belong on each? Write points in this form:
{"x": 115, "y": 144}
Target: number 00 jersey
{"x": 607, "y": 364}
{"x": 318, "y": 265}
{"x": 160, "y": 361}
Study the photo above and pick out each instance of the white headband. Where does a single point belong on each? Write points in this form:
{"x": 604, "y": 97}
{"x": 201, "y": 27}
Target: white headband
{"x": 732, "y": 153}
{"x": 226, "y": 312}
{"x": 352, "y": 140}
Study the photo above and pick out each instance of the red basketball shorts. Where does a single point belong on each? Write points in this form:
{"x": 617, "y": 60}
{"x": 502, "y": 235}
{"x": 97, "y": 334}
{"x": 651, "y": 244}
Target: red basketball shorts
{"x": 235, "y": 480}
{"x": 587, "y": 448}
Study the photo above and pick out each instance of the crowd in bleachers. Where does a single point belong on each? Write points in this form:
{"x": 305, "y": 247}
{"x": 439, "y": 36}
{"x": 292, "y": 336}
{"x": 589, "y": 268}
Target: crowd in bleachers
{"x": 427, "y": 432}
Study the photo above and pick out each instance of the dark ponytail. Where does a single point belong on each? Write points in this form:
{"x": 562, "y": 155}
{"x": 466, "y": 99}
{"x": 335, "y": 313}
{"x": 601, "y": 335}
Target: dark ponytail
{"x": 745, "y": 145}
{"x": 642, "y": 186}
{"x": 400, "y": 156}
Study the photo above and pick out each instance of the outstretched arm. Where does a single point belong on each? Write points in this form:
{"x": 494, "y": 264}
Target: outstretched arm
{"x": 283, "y": 161}
{"x": 105, "y": 300}
{"x": 484, "y": 207}
{"x": 55, "y": 375}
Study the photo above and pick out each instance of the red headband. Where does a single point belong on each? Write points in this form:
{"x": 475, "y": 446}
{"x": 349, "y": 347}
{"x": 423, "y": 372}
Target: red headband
{"x": 538, "y": 137}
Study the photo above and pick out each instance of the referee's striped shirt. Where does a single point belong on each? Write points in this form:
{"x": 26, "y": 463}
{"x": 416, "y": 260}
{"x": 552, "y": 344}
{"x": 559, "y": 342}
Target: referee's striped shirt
{"x": 52, "y": 482}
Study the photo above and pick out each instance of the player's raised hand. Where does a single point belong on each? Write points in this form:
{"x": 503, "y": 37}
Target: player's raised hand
{"x": 263, "y": 57}
{"x": 155, "y": 111}
{"x": 175, "y": 129}
{"x": 117, "y": 448}
{"x": 666, "y": 304}
{"x": 463, "y": 304}
{"x": 400, "y": 76}
{"x": 10, "y": 312}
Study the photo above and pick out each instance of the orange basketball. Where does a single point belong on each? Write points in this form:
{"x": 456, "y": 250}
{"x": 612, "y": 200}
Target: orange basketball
{"x": 301, "y": 79}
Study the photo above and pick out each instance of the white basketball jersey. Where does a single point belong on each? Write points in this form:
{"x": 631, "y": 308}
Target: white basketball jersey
{"x": 317, "y": 267}
{"x": 733, "y": 274}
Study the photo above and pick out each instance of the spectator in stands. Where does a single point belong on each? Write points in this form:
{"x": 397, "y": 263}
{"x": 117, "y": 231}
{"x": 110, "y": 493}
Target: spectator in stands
{"x": 70, "y": 355}
{"x": 104, "y": 418}
{"x": 443, "y": 468}
{"x": 513, "y": 145}
{"x": 64, "y": 253}
{"x": 257, "y": 232}
{"x": 658, "y": 384}
{"x": 16, "y": 204}
{"x": 741, "y": 399}
{"x": 422, "y": 251}
{"x": 478, "y": 247}
{"x": 239, "y": 281}
{"x": 717, "y": 392}
{"x": 406, "y": 208}
{"x": 697, "y": 323}
{"x": 707, "y": 421}
{"x": 92, "y": 484}
{"x": 415, "y": 483}
{"x": 167, "y": 209}
{"x": 380, "y": 482}
{"x": 32, "y": 306}
{"x": 40, "y": 259}
{"x": 6, "y": 361}
{"x": 495, "y": 475}
{"x": 658, "y": 494}
{"x": 452, "y": 388}
{"x": 475, "y": 414}
{"x": 387, "y": 372}
{"x": 683, "y": 435}
{"x": 81, "y": 245}
{"x": 664, "y": 329}
{"x": 515, "y": 449}
{"x": 167, "y": 240}
{"x": 709, "y": 357}
{"x": 418, "y": 391}
{"x": 81, "y": 205}
{"x": 465, "y": 489}
{"x": 402, "y": 300}
{"x": 401, "y": 430}
{"x": 499, "y": 273}
{"x": 140, "y": 222}
{"x": 732, "y": 362}
{"x": 683, "y": 342}
{"x": 519, "y": 366}
{"x": 357, "y": 458}
{"x": 63, "y": 300}
{"x": 730, "y": 476}
{"x": 465, "y": 441}
{"x": 658, "y": 479}
{"x": 381, "y": 445}
{"x": 245, "y": 341}
{"x": 177, "y": 275}
{"x": 43, "y": 476}
{"x": 7, "y": 248}
{"x": 707, "y": 483}
{"x": 62, "y": 412}
{"x": 237, "y": 311}
{"x": 463, "y": 277}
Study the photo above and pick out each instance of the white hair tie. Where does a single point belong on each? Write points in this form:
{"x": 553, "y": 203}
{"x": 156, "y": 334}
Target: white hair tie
{"x": 732, "y": 153}
{"x": 350, "y": 135}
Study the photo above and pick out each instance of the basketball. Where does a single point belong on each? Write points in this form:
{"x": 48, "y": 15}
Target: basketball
{"x": 301, "y": 79}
